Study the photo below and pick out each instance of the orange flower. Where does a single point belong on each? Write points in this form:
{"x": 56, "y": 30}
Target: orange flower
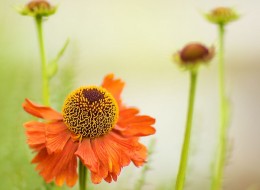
{"x": 94, "y": 126}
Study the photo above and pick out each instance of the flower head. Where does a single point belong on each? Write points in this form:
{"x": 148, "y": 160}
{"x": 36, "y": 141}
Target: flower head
{"x": 94, "y": 126}
{"x": 222, "y": 15}
{"x": 192, "y": 55}
{"x": 38, "y": 8}
{"x": 90, "y": 112}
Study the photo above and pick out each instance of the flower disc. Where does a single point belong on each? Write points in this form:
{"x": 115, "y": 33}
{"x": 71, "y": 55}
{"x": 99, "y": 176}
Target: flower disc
{"x": 90, "y": 112}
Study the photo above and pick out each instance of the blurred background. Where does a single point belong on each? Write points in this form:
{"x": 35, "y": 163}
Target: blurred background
{"x": 135, "y": 40}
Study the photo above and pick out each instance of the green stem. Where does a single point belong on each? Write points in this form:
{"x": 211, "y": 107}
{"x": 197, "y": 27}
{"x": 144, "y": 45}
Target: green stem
{"x": 222, "y": 140}
{"x": 141, "y": 182}
{"x": 45, "y": 78}
{"x": 82, "y": 176}
{"x": 186, "y": 143}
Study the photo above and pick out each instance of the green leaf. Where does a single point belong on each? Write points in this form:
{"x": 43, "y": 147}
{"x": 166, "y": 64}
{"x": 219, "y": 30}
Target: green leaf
{"x": 52, "y": 67}
{"x": 61, "y": 52}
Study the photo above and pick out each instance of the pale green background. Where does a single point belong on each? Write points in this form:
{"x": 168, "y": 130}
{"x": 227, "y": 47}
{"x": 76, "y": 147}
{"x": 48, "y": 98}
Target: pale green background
{"x": 135, "y": 40}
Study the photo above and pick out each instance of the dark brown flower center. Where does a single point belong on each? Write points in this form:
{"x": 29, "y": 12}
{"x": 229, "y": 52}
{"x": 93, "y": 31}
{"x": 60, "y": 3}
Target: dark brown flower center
{"x": 194, "y": 52}
{"x": 90, "y": 112}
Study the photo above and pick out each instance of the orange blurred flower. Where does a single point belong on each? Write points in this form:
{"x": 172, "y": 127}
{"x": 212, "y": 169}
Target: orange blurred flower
{"x": 94, "y": 126}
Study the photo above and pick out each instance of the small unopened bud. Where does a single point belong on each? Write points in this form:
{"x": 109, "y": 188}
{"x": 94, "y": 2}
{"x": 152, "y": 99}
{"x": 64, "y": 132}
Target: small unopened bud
{"x": 193, "y": 54}
{"x": 38, "y": 4}
{"x": 222, "y": 15}
{"x": 38, "y": 8}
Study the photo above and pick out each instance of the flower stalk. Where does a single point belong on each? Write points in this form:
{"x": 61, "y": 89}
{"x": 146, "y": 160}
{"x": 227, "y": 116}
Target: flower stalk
{"x": 83, "y": 174}
{"x": 45, "y": 78}
{"x": 221, "y": 16}
{"x": 141, "y": 182}
{"x": 223, "y": 117}
{"x": 190, "y": 58}
{"x": 186, "y": 143}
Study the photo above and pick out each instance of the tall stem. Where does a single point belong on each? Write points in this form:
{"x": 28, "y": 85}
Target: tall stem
{"x": 141, "y": 182}
{"x": 82, "y": 176}
{"x": 45, "y": 79}
{"x": 186, "y": 143}
{"x": 222, "y": 140}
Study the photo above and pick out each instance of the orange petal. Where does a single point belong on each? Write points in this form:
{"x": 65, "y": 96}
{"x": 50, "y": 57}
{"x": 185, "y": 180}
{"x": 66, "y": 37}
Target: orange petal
{"x": 61, "y": 166}
{"x": 95, "y": 178}
{"x": 135, "y": 150}
{"x": 131, "y": 124}
{"x": 108, "y": 179}
{"x": 113, "y": 152}
{"x": 98, "y": 146}
{"x": 57, "y": 135}
{"x": 72, "y": 176}
{"x": 127, "y": 113}
{"x": 139, "y": 131}
{"x": 114, "y": 176}
{"x": 35, "y": 132}
{"x": 41, "y": 111}
{"x": 88, "y": 157}
{"x": 114, "y": 86}
{"x": 113, "y": 159}
{"x": 109, "y": 156}
{"x": 59, "y": 180}
{"x": 139, "y": 155}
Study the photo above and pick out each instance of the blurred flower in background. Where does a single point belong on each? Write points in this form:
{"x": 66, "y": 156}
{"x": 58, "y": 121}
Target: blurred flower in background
{"x": 222, "y": 15}
{"x": 38, "y": 8}
{"x": 192, "y": 55}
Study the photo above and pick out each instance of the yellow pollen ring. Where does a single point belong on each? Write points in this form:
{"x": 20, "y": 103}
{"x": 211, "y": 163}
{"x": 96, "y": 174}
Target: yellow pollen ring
{"x": 90, "y": 112}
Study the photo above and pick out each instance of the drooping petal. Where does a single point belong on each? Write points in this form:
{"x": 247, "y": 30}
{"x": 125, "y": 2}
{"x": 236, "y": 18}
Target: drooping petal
{"x": 95, "y": 178}
{"x": 102, "y": 156}
{"x": 72, "y": 176}
{"x": 87, "y": 156}
{"x": 108, "y": 158}
{"x": 41, "y": 111}
{"x": 35, "y": 132}
{"x": 113, "y": 152}
{"x": 113, "y": 159}
{"x": 114, "y": 176}
{"x": 139, "y": 155}
{"x": 119, "y": 148}
{"x": 114, "y": 86}
{"x": 57, "y": 135}
{"x": 108, "y": 178}
{"x": 136, "y": 152}
{"x": 59, "y": 166}
{"x": 131, "y": 124}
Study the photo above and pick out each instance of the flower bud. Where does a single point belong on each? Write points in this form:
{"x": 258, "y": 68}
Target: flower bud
{"x": 38, "y": 8}
{"x": 222, "y": 15}
{"x": 193, "y": 54}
